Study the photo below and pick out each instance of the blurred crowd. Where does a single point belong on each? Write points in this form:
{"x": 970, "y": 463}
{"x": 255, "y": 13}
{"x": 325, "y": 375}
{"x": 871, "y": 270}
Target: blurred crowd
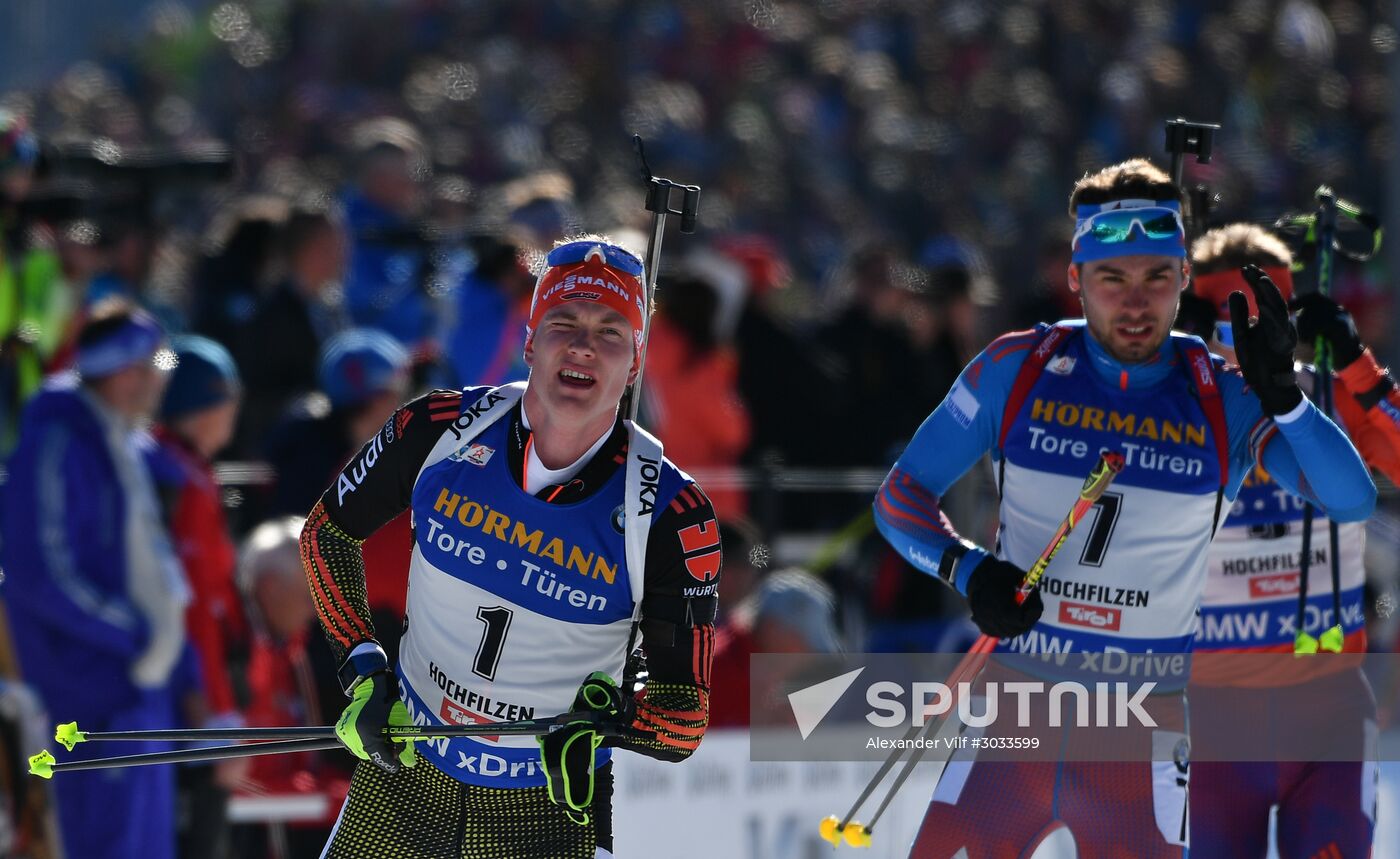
{"x": 285, "y": 218}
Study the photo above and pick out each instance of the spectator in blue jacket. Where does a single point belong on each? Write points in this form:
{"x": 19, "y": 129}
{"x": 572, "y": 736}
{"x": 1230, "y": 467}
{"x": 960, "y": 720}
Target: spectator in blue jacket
{"x": 363, "y": 378}
{"x": 485, "y": 340}
{"x": 385, "y": 285}
{"x": 96, "y": 593}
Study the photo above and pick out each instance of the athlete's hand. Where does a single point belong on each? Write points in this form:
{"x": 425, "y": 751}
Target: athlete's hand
{"x": 1265, "y": 349}
{"x": 375, "y": 705}
{"x": 1319, "y": 316}
{"x": 991, "y": 594}
{"x": 568, "y": 752}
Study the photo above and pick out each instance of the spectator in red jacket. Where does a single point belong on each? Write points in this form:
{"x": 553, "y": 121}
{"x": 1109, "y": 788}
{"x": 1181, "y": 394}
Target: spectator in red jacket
{"x": 691, "y": 386}
{"x": 197, "y": 417}
{"x": 282, "y": 688}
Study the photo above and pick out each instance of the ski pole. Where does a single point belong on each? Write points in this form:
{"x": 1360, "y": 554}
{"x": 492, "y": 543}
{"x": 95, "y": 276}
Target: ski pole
{"x": 283, "y": 740}
{"x": 659, "y": 204}
{"x": 1318, "y": 229}
{"x": 834, "y": 829}
{"x": 1108, "y": 467}
{"x": 981, "y": 651}
{"x": 43, "y": 764}
{"x": 70, "y": 736}
{"x": 1305, "y": 225}
{"x": 1333, "y": 638}
{"x": 967, "y": 671}
{"x": 1302, "y": 641}
{"x": 1191, "y": 138}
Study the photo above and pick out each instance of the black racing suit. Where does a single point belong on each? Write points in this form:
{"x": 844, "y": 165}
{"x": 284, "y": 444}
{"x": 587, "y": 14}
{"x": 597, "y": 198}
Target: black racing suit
{"x": 424, "y": 812}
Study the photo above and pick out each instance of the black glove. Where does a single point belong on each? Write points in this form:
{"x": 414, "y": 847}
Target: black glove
{"x": 1265, "y": 349}
{"x": 1316, "y": 315}
{"x": 567, "y": 752}
{"x": 1196, "y": 316}
{"x": 991, "y": 594}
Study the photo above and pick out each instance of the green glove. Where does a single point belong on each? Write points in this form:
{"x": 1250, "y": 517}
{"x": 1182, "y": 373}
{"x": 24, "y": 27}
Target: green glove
{"x": 567, "y": 753}
{"x": 375, "y": 705}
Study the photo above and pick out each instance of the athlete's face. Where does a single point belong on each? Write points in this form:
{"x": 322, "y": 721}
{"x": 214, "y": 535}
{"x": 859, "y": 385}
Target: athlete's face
{"x": 1130, "y": 302}
{"x": 581, "y": 359}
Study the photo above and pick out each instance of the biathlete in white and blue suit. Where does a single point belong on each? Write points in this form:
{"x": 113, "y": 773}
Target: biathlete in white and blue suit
{"x": 548, "y": 535}
{"x": 1283, "y": 741}
{"x": 1044, "y": 403}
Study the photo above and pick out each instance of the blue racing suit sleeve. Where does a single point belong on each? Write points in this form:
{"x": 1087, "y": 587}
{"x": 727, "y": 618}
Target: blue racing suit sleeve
{"x": 56, "y": 515}
{"x": 1305, "y": 452}
{"x": 949, "y": 443}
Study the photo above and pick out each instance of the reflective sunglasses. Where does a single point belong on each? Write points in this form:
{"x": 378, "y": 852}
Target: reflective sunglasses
{"x": 1116, "y": 225}
{"x": 613, "y": 256}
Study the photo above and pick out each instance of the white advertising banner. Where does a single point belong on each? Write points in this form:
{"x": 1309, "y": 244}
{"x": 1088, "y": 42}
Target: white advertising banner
{"x": 718, "y": 803}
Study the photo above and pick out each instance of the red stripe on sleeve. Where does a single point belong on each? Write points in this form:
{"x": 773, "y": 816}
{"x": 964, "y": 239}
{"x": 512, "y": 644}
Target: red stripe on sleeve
{"x": 332, "y": 602}
{"x": 916, "y": 514}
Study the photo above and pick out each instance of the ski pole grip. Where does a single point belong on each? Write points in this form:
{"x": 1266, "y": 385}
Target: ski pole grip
{"x": 659, "y": 201}
{"x": 659, "y": 196}
{"x": 690, "y": 208}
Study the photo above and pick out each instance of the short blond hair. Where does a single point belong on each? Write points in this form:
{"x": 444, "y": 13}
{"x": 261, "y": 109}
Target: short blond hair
{"x": 1136, "y": 178}
{"x": 1232, "y": 246}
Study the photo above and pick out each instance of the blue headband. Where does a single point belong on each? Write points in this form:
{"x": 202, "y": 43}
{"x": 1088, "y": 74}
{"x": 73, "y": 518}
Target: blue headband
{"x": 134, "y": 342}
{"x": 1090, "y": 249}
